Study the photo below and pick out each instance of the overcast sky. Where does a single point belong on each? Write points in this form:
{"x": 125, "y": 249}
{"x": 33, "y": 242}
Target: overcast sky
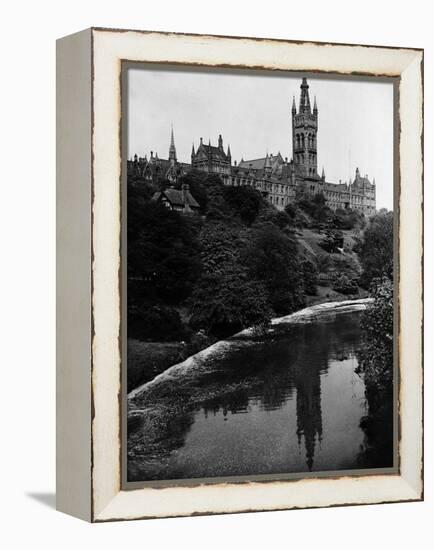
{"x": 253, "y": 114}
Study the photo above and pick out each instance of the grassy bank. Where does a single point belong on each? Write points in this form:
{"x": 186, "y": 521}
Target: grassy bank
{"x": 148, "y": 359}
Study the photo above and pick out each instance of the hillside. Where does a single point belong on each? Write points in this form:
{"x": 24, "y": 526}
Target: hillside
{"x": 332, "y": 267}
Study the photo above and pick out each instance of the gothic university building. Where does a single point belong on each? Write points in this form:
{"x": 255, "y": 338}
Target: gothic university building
{"x": 274, "y": 176}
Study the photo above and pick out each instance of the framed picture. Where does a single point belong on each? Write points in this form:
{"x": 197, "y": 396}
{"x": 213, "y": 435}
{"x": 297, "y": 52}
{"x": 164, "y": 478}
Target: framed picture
{"x": 239, "y": 274}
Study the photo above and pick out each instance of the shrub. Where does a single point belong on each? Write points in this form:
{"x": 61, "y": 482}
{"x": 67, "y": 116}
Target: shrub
{"x": 333, "y": 241}
{"x": 245, "y": 202}
{"x": 155, "y": 322}
{"x": 345, "y": 285}
{"x": 376, "y": 363}
{"x": 375, "y": 249}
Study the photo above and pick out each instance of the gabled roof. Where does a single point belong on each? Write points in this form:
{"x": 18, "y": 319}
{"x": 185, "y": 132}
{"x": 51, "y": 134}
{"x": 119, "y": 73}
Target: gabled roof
{"x": 259, "y": 164}
{"x": 212, "y": 151}
{"x": 177, "y": 197}
{"x": 362, "y": 182}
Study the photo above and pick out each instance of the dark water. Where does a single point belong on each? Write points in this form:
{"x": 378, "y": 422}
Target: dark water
{"x": 289, "y": 404}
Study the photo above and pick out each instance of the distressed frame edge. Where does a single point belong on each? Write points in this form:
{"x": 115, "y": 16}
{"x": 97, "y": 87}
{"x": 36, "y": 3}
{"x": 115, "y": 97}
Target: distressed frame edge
{"x": 73, "y": 275}
{"x": 411, "y": 490}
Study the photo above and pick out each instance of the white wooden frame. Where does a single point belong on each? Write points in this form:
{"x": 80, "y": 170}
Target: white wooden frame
{"x": 88, "y": 267}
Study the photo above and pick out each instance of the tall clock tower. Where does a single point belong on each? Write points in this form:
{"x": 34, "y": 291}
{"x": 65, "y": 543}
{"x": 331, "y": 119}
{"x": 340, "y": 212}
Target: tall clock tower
{"x": 304, "y": 134}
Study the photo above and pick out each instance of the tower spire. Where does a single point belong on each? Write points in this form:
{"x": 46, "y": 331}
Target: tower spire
{"x": 172, "y": 148}
{"x": 294, "y": 108}
{"x": 315, "y": 108}
{"x": 304, "y": 97}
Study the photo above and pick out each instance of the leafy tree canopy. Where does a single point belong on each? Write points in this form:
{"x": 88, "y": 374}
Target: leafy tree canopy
{"x": 163, "y": 253}
{"x": 375, "y": 248}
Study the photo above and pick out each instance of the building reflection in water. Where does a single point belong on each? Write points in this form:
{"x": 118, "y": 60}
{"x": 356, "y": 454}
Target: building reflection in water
{"x": 247, "y": 379}
{"x": 317, "y": 345}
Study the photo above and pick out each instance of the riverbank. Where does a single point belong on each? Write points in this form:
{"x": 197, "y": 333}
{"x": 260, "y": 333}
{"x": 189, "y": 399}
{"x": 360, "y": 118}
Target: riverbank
{"x": 305, "y": 314}
{"x": 147, "y": 360}
{"x": 162, "y": 411}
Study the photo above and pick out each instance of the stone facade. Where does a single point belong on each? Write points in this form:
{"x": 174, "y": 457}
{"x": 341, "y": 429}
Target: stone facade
{"x": 274, "y": 176}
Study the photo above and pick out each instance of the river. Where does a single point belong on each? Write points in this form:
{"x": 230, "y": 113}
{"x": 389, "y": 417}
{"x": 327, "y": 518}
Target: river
{"x": 290, "y": 402}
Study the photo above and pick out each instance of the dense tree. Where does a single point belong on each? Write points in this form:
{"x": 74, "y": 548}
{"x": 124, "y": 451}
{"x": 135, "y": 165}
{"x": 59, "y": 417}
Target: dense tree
{"x": 163, "y": 259}
{"x": 225, "y": 302}
{"x": 280, "y": 218}
{"x": 348, "y": 219}
{"x": 225, "y": 298}
{"x": 375, "y": 248}
{"x": 155, "y": 321}
{"x": 245, "y": 202}
{"x": 314, "y": 206}
{"x": 376, "y": 368}
{"x": 272, "y": 258}
{"x": 377, "y": 324}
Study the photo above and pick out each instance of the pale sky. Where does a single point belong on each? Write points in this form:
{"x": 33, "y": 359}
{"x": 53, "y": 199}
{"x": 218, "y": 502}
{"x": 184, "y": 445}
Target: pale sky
{"x": 253, "y": 114}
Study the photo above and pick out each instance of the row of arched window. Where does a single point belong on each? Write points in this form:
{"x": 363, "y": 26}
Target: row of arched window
{"x": 300, "y": 158}
{"x": 301, "y": 140}
{"x": 279, "y": 200}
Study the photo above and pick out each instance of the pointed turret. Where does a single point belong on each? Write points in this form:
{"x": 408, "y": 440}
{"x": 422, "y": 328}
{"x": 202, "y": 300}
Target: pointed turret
{"x": 315, "y": 108}
{"x": 323, "y": 174}
{"x": 192, "y": 150}
{"x": 172, "y": 148}
{"x": 228, "y": 154}
{"x": 220, "y": 142}
{"x": 294, "y": 108}
{"x": 267, "y": 166}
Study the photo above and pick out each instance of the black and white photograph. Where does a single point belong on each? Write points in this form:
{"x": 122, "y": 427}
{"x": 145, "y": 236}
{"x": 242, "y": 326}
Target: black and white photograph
{"x": 259, "y": 274}
{"x": 217, "y": 235}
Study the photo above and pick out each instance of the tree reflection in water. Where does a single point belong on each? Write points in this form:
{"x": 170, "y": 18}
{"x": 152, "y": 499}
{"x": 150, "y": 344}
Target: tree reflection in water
{"x": 263, "y": 375}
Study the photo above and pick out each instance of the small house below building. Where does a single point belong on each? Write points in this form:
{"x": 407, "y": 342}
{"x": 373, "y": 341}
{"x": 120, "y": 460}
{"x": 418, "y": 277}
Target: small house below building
{"x": 180, "y": 200}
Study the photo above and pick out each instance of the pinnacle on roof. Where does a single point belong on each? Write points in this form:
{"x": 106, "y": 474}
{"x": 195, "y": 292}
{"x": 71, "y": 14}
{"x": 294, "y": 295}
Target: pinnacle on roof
{"x": 294, "y": 108}
{"x": 315, "y": 108}
{"x": 267, "y": 162}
